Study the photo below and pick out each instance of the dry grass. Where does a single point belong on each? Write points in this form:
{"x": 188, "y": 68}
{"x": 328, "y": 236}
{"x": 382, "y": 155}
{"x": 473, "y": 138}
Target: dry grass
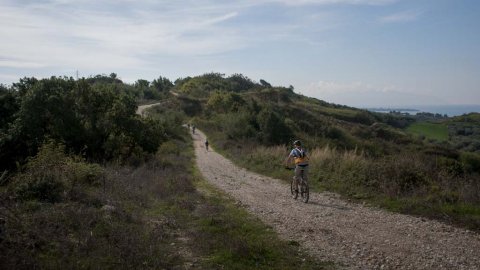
{"x": 90, "y": 219}
{"x": 412, "y": 183}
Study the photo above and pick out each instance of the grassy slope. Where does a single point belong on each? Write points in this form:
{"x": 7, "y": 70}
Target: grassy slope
{"x": 349, "y": 175}
{"x": 393, "y": 173}
{"x": 436, "y": 131}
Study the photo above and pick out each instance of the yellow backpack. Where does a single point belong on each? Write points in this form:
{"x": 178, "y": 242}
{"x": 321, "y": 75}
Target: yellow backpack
{"x": 300, "y": 157}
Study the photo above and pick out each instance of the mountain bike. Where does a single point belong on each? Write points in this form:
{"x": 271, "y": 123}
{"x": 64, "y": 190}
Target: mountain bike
{"x": 303, "y": 186}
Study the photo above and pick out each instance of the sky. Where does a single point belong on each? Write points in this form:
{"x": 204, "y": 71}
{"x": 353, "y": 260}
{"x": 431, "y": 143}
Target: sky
{"x": 362, "y": 53}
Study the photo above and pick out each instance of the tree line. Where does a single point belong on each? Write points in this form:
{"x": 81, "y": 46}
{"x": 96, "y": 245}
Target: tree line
{"x": 94, "y": 117}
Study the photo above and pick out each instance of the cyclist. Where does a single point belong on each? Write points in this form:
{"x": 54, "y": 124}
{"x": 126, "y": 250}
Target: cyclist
{"x": 300, "y": 157}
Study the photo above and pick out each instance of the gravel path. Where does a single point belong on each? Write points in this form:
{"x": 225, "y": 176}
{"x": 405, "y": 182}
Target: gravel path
{"x": 142, "y": 108}
{"x": 352, "y": 235}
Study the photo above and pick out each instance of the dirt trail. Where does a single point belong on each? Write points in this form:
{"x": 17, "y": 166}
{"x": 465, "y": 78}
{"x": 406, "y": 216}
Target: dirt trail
{"x": 141, "y": 109}
{"x": 352, "y": 235}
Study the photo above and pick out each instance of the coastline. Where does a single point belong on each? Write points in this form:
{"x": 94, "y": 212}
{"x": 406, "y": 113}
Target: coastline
{"x": 449, "y": 110}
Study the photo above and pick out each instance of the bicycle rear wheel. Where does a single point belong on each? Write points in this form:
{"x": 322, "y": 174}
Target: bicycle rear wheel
{"x": 293, "y": 189}
{"x": 304, "y": 191}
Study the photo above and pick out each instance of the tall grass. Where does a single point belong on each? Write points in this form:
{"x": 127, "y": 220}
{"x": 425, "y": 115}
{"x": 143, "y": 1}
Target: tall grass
{"x": 409, "y": 183}
{"x": 88, "y": 220}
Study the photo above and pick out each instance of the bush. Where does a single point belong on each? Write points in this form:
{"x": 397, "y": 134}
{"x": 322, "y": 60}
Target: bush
{"x": 273, "y": 130}
{"x": 224, "y": 102}
{"x": 471, "y": 162}
{"x": 237, "y": 126}
{"x": 51, "y": 176}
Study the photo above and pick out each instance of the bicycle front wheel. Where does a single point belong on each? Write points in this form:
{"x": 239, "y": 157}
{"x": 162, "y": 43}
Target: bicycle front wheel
{"x": 304, "y": 191}
{"x": 293, "y": 189}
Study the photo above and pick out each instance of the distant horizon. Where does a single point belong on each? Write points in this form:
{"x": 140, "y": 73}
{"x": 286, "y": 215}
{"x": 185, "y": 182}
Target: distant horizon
{"x": 447, "y": 109}
{"x": 412, "y": 107}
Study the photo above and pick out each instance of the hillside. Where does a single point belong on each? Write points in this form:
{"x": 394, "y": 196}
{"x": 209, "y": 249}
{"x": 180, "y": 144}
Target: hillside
{"x": 86, "y": 181}
{"x": 360, "y": 154}
{"x": 464, "y": 132}
{"x": 355, "y": 236}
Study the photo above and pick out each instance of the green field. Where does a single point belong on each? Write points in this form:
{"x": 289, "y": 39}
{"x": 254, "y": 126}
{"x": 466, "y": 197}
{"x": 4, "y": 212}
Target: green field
{"x": 430, "y": 130}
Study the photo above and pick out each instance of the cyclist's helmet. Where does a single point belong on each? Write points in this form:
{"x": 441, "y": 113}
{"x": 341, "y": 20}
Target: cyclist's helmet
{"x": 297, "y": 143}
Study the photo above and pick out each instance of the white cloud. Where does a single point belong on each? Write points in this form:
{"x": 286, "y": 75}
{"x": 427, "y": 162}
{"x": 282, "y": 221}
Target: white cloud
{"x": 46, "y": 34}
{"x": 110, "y": 35}
{"x": 221, "y": 18}
{"x": 60, "y": 32}
{"x": 404, "y": 16}
{"x": 107, "y": 34}
{"x": 19, "y": 63}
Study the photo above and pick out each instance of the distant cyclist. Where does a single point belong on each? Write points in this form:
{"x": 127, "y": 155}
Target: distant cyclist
{"x": 300, "y": 158}
{"x": 206, "y": 144}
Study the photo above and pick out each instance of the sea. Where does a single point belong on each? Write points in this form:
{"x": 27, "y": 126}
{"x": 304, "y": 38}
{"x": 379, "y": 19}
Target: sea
{"x": 449, "y": 110}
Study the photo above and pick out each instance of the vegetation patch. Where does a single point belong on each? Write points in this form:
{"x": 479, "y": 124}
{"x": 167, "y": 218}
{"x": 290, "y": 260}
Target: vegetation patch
{"x": 86, "y": 183}
{"x": 91, "y": 185}
{"x": 410, "y": 184}
{"x": 359, "y": 154}
{"x": 436, "y": 131}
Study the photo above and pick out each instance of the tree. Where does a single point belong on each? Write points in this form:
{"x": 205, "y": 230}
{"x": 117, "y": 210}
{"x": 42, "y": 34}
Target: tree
{"x": 265, "y": 83}
{"x": 142, "y": 84}
{"x": 97, "y": 120}
{"x": 223, "y": 102}
{"x": 24, "y": 84}
{"x": 162, "y": 84}
{"x": 240, "y": 83}
{"x": 238, "y": 125}
{"x": 8, "y": 106}
{"x": 144, "y": 90}
{"x": 102, "y": 79}
{"x": 273, "y": 129}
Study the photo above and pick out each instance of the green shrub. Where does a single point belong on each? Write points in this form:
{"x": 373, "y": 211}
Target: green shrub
{"x": 52, "y": 176}
{"x": 471, "y": 161}
{"x": 335, "y": 133}
{"x": 237, "y": 125}
{"x": 223, "y": 102}
{"x": 273, "y": 130}
{"x": 98, "y": 120}
{"x": 451, "y": 166}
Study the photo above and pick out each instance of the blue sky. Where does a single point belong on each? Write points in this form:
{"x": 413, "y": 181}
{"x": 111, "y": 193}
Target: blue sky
{"x": 356, "y": 52}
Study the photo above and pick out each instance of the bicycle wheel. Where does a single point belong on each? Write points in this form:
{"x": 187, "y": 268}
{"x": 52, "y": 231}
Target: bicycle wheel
{"x": 304, "y": 191}
{"x": 293, "y": 190}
